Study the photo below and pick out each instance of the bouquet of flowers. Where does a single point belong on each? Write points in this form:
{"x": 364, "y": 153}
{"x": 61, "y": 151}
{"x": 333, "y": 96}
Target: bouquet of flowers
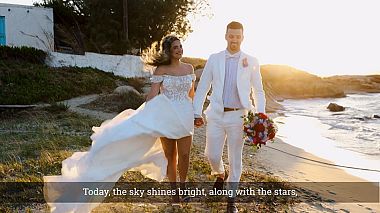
{"x": 258, "y": 129}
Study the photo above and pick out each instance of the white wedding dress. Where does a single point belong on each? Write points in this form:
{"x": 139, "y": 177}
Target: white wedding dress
{"x": 130, "y": 141}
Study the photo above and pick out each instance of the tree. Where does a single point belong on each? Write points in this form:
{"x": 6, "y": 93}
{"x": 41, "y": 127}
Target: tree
{"x": 125, "y": 19}
{"x": 153, "y": 19}
{"x": 121, "y": 26}
{"x": 68, "y": 24}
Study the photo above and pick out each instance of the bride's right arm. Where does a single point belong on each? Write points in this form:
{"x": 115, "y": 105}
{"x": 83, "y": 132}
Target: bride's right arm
{"x": 155, "y": 88}
{"x": 156, "y": 80}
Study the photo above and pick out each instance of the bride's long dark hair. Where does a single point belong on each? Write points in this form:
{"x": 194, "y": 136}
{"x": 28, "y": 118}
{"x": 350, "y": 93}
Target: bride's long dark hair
{"x": 162, "y": 57}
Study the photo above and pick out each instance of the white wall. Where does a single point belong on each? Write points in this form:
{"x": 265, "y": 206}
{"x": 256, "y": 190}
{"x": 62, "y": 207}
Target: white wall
{"x": 123, "y": 65}
{"x": 34, "y": 27}
{"x": 28, "y": 26}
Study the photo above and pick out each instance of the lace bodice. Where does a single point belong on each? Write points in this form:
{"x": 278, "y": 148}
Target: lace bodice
{"x": 176, "y": 88}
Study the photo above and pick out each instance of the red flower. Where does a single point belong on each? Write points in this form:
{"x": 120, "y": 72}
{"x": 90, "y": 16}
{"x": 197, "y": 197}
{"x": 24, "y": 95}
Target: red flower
{"x": 263, "y": 116}
{"x": 255, "y": 141}
{"x": 257, "y": 127}
{"x": 260, "y": 128}
{"x": 271, "y": 135}
{"x": 258, "y": 139}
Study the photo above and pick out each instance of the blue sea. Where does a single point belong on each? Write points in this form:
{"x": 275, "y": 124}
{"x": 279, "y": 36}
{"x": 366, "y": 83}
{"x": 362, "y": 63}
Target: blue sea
{"x": 349, "y": 138}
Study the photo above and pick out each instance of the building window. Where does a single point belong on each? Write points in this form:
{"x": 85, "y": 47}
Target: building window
{"x": 2, "y": 30}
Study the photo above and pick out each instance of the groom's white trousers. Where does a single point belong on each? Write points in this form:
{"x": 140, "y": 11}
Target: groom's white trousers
{"x": 228, "y": 128}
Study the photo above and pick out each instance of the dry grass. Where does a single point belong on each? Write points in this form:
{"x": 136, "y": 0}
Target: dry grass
{"x": 196, "y": 62}
{"x": 116, "y": 102}
{"x": 33, "y": 143}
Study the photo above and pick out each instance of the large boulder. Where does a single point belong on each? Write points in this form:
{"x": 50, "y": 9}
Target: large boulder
{"x": 125, "y": 89}
{"x": 333, "y": 107}
{"x": 146, "y": 89}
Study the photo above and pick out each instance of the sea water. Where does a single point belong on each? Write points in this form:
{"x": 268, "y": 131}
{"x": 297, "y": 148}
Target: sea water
{"x": 349, "y": 138}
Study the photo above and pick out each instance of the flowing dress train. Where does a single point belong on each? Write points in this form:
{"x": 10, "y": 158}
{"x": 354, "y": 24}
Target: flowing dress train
{"x": 128, "y": 142}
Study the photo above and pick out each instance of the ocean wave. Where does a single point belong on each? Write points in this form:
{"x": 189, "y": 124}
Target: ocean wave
{"x": 364, "y": 118}
{"x": 343, "y": 126}
{"x": 356, "y": 125}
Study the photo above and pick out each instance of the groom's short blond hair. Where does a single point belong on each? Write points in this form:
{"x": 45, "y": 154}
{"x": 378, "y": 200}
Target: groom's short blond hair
{"x": 235, "y": 25}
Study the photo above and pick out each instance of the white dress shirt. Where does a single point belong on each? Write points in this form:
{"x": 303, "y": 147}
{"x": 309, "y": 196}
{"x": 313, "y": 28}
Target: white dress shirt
{"x": 230, "y": 91}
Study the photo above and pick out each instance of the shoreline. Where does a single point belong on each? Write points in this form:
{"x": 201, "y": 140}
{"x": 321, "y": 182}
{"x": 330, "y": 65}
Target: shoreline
{"x": 348, "y": 138}
{"x": 293, "y": 169}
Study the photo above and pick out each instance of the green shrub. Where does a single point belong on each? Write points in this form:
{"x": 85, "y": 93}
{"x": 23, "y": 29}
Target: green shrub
{"x": 25, "y": 83}
{"x": 23, "y": 54}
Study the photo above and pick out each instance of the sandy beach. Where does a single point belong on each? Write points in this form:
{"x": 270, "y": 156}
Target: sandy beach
{"x": 295, "y": 169}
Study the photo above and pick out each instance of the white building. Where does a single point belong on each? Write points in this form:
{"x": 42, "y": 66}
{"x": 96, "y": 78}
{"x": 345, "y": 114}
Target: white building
{"x": 26, "y": 26}
{"x": 34, "y": 27}
{"x": 124, "y": 65}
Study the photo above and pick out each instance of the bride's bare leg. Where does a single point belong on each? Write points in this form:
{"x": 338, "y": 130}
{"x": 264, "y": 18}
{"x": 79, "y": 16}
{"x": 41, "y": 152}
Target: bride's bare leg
{"x": 184, "y": 146}
{"x": 170, "y": 150}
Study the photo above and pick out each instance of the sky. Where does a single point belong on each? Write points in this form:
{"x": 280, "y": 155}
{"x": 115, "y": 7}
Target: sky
{"x": 323, "y": 37}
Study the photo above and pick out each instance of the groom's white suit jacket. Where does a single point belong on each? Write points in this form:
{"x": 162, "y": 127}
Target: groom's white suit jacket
{"x": 248, "y": 81}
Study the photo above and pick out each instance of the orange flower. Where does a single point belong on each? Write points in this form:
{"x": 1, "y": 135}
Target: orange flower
{"x": 245, "y": 62}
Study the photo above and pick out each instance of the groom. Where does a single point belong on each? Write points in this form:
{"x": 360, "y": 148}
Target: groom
{"x": 232, "y": 74}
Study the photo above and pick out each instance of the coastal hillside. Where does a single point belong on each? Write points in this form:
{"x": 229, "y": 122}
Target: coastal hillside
{"x": 356, "y": 83}
{"x": 290, "y": 83}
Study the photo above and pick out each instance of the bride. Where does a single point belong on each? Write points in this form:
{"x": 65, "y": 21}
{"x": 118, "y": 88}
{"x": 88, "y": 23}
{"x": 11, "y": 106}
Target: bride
{"x": 148, "y": 139}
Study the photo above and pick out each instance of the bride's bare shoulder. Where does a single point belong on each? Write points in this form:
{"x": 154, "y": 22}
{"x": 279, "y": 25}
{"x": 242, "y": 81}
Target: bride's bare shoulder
{"x": 188, "y": 67}
{"x": 160, "y": 70}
